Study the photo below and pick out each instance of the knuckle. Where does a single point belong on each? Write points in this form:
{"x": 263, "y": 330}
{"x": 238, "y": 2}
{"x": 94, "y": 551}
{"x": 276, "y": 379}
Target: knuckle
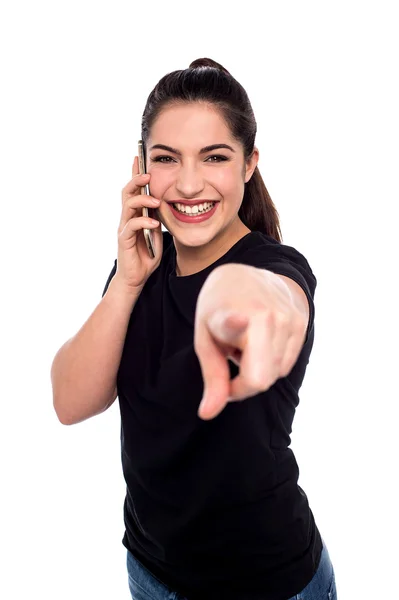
{"x": 268, "y": 317}
{"x": 282, "y": 320}
{"x": 278, "y": 359}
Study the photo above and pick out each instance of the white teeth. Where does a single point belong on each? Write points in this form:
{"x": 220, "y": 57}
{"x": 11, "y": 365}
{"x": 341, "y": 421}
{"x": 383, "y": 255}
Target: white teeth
{"x": 194, "y": 210}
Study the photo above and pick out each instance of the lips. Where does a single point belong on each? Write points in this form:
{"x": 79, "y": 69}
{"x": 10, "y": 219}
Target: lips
{"x": 193, "y": 219}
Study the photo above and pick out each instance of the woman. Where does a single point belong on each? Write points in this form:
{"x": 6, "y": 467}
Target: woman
{"x": 224, "y": 313}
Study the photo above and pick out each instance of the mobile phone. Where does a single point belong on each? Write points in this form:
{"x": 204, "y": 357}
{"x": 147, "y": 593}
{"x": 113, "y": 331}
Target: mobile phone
{"x": 148, "y": 233}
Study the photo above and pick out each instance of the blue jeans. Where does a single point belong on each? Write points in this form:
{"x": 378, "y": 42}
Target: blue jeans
{"x": 145, "y": 586}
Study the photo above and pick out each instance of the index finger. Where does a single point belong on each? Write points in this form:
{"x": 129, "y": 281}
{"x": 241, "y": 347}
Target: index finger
{"x": 215, "y": 373}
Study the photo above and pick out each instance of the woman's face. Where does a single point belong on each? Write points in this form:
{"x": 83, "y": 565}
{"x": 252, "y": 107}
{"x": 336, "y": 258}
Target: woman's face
{"x": 182, "y": 171}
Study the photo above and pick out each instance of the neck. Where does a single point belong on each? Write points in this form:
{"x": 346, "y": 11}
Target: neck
{"x": 190, "y": 260}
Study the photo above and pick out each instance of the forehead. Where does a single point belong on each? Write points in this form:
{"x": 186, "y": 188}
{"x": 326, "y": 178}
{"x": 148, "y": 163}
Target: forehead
{"x": 190, "y": 126}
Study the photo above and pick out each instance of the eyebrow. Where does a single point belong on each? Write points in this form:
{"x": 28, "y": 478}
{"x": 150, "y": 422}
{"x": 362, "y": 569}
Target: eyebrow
{"x": 202, "y": 151}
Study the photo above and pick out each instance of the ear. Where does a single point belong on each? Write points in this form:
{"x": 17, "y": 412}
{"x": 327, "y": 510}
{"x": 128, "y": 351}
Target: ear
{"x": 251, "y": 164}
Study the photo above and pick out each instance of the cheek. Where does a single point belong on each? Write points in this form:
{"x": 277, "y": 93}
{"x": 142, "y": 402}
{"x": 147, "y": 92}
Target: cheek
{"x": 160, "y": 183}
{"x": 229, "y": 183}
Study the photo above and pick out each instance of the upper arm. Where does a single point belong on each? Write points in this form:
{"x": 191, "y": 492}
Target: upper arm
{"x": 112, "y": 399}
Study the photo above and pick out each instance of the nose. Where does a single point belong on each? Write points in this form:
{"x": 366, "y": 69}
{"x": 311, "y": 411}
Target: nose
{"x": 189, "y": 182}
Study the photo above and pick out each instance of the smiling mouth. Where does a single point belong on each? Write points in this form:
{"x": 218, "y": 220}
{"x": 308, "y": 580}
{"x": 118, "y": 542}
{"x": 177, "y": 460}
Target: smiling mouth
{"x": 194, "y": 210}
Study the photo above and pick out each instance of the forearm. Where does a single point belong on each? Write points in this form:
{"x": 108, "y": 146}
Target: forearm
{"x": 84, "y": 370}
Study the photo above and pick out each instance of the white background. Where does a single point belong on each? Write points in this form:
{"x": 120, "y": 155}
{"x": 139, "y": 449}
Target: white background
{"x": 75, "y": 77}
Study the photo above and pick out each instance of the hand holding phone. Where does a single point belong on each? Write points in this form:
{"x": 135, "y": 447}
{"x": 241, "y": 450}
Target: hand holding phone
{"x": 135, "y": 264}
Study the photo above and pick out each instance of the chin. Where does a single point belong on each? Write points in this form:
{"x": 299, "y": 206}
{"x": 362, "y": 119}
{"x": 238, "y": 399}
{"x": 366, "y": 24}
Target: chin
{"x": 192, "y": 239}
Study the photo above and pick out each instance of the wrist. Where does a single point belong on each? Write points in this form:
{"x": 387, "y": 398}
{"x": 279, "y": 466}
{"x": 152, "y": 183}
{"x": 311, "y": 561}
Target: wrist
{"x": 119, "y": 290}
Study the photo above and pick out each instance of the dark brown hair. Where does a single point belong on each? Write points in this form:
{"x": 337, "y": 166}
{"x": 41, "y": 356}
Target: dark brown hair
{"x": 207, "y": 81}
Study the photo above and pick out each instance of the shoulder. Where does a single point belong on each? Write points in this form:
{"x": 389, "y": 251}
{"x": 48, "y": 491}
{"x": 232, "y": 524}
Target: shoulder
{"x": 268, "y": 248}
{"x": 263, "y": 251}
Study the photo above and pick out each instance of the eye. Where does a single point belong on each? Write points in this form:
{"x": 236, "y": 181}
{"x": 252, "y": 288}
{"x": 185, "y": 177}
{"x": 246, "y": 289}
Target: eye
{"x": 219, "y": 158}
{"x": 168, "y": 159}
{"x": 160, "y": 159}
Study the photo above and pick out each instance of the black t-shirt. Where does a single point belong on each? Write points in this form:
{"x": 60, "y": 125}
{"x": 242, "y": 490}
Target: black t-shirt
{"x": 212, "y": 508}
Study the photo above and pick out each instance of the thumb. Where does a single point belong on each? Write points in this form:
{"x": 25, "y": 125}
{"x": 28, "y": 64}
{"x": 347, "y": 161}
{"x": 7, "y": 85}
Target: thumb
{"x": 228, "y": 327}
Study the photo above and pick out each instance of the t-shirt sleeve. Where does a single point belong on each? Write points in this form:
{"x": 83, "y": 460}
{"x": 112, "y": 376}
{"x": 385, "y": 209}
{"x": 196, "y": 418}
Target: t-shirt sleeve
{"x": 286, "y": 260}
{"x": 110, "y": 276}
